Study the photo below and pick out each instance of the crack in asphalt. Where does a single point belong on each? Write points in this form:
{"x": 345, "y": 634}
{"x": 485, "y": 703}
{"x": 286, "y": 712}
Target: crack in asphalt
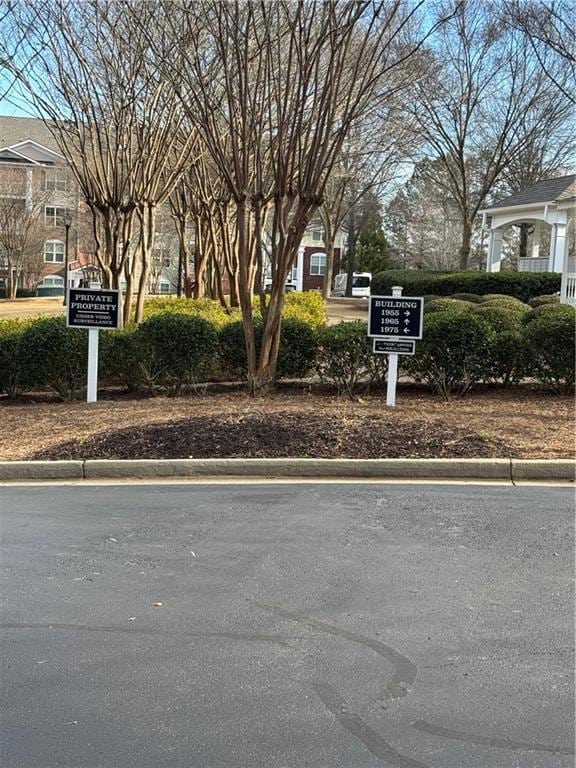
{"x": 355, "y": 725}
{"x": 136, "y": 631}
{"x": 488, "y": 741}
{"x": 405, "y": 671}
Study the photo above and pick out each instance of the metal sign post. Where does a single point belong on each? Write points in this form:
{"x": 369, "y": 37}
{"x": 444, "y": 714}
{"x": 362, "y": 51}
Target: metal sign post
{"x": 93, "y": 309}
{"x": 395, "y": 322}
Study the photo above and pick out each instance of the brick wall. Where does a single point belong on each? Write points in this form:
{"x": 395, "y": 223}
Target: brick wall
{"x": 316, "y": 282}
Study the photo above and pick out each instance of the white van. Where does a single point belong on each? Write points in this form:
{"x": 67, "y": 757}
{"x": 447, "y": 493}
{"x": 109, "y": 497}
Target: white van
{"x": 360, "y": 284}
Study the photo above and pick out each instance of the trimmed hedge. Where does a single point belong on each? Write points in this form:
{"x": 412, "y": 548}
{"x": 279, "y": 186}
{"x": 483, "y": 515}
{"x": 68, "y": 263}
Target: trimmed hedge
{"x": 500, "y": 339}
{"x": 550, "y": 345}
{"x": 521, "y": 285}
{"x": 295, "y": 357}
{"x": 10, "y": 367}
{"x": 505, "y": 361}
{"x": 53, "y": 356}
{"x": 538, "y": 301}
{"x": 449, "y": 304}
{"x": 120, "y": 358}
{"x": 208, "y": 309}
{"x": 309, "y": 307}
{"x": 474, "y": 298}
{"x": 451, "y": 357}
{"x": 345, "y": 357}
{"x": 175, "y": 350}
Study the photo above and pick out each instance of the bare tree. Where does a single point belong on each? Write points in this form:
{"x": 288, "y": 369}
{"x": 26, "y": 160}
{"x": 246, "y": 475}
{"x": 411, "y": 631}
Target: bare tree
{"x": 550, "y": 33}
{"x": 484, "y": 101}
{"x": 273, "y": 90}
{"x": 368, "y": 164}
{"x": 114, "y": 120}
{"x": 21, "y": 233}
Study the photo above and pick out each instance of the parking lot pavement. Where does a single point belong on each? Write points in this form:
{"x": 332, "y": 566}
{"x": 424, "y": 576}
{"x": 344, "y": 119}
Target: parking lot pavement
{"x": 287, "y": 626}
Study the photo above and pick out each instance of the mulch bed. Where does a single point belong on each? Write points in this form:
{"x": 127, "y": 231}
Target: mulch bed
{"x": 278, "y": 435}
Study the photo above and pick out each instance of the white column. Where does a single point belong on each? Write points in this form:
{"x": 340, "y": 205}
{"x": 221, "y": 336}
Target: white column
{"x": 494, "y": 251}
{"x": 559, "y": 248}
{"x": 536, "y": 241}
{"x": 300, "y": 269}
{"x": 553, "y": 232}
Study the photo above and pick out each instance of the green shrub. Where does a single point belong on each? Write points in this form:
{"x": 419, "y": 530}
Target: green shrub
{"x": 345, "y": 357}
{"x": 176, "y": 350}
{"x": 10, "y": 369}
{"x": 550, "y": 346}
{"x": 452, "y": 355}
{"x": 501, "y": 316}
{"x": 539, "y": 301}
{"x": 447, "y": 305}
{"x": 521, "y": 285}
{"x": 54, "y": 356}
{"x": 208, "y": 309}
{"x": 543, "y": 310}
{"x": 498, "y": 299}
{"x": 120, "y": 358}
{"x": 474, "y": 298}
{"x": 309, "y": 307}
{"x": 296, "y": 353}
{"x": 505, "y": 359}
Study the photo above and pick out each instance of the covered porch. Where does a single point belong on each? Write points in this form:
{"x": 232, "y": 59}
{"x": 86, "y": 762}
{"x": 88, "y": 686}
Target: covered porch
{"x": 550, "y": 203}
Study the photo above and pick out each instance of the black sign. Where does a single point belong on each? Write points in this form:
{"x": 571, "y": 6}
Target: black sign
{"x": 89, "y": 308}
{"x": 397, "y": 317}
{"x": 394, "y": 346}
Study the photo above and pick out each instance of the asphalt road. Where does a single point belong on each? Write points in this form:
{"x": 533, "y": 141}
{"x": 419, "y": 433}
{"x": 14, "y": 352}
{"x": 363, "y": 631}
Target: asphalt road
{"x": 300, "y": 626}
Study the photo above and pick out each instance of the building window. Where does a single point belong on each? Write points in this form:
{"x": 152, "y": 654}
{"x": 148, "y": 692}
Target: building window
{"x": 318, "y": 264}
{"x": 54, "y": 217}
{"x": 55, "y": 179}
{"x": 53, "y": 282}
{"x": 54, "y": 251}
{"x": 317, "y": 232}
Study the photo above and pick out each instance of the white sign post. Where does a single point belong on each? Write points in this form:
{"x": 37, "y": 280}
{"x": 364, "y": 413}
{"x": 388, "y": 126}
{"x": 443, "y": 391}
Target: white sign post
{"x": 392, "y": 365}
{"x": 92, "y": 389}
{"x": 93, "y": 309}
{"x": 395, "y": 322}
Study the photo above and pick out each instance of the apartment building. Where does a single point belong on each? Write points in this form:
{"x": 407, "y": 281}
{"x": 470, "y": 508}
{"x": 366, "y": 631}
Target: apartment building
{"x": 38, "y": 192}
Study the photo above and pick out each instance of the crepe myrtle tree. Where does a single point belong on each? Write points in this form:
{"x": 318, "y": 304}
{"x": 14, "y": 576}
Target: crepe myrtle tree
{"x": 273, "y": 90}
{"x": 113, "y": 118}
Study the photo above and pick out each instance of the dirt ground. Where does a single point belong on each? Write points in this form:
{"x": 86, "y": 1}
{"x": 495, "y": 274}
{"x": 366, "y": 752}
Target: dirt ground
{"x": 523, "y": 422}
{"x": 338, "y": 309}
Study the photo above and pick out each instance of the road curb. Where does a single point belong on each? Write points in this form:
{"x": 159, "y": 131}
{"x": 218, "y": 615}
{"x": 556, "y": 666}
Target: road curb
{"x": 366, "y": 468}
{"x": 534, "y": 469}
{"x": 512, "y": 470}
{"x": 41, "y": 470}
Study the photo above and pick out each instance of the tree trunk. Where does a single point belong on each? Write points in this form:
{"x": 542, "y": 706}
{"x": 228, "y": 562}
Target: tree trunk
{"x": 329, "y": 245}
{"x": 464, "y": 252}
{"x": 245, "y": 296}
{"x": 148, "y": 230}
{"x": 352, "y": 237}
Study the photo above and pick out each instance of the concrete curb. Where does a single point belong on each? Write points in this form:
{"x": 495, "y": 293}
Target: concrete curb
{"x": 510, "y": 470}
{"x": 371, "y": 468}
{"x": 533, "y": 469}
{"x": 41, "y": 470}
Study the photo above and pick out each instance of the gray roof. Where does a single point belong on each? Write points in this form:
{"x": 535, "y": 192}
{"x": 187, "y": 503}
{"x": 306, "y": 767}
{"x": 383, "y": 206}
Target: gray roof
{"x": 546, "y": 191}
{"x": 16, "y": 129}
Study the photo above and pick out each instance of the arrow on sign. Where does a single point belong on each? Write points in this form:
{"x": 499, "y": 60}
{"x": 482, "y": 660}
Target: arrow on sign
{"x": 407, "y": 314}
{"x": 406, "y": 322}
{"x": 406, "y": 330}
